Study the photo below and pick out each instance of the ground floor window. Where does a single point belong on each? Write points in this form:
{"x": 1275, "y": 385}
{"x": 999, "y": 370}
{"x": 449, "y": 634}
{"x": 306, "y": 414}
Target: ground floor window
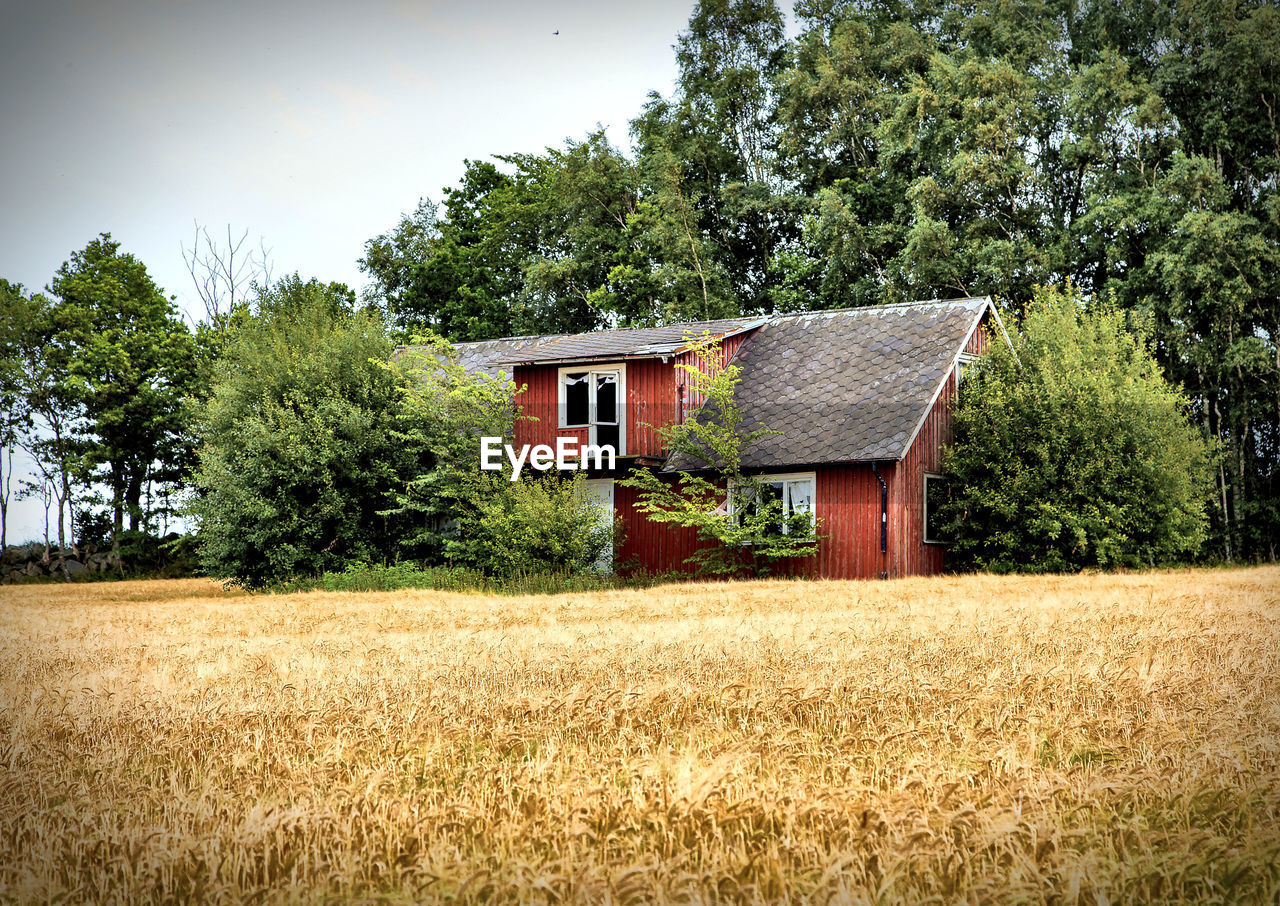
{"x": 935, "y": 495}
{"x": 793, "y": 492}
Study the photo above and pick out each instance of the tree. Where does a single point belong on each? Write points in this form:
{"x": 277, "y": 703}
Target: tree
{"x": 223, "y": 275}
{"x": 299, "y": 455}
{"x": 51, "y": 422}
{"x": 741, "y": 527}
{"x": 532, "y": 250}
{"x": 442, "y": 414}
{"x": 1071, "y": 450}
{"x": 118, "y": 350}
{"x": 16, "y": 320}
{"x": 720, "y": 132}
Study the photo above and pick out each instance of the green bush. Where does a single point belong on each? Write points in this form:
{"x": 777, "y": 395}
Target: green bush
{"x": 1071, "y": 450}
{"x": 534, "y": 525}
{"x": 299, "y": 453}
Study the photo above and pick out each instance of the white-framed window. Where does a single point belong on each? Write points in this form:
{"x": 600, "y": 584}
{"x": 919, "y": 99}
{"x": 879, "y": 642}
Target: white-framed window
{"x": 595, "y": 397}
{"x": 935, "y": 494}
{"x": 963, "y": 364}
{"x": 795, "y": 491}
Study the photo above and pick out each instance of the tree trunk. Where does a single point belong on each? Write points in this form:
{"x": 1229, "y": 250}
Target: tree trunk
{"x": 1222, "y": 487}
{"x": 62, "y": 538}
{"x": 133, "y": 502}
{"x": 71, "y": 521}
{"x": 6, "y": 476}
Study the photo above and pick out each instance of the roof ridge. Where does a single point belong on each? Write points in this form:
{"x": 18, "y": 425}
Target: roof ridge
{"x": 740, "y": 318}
{"x": 876, "y": 307}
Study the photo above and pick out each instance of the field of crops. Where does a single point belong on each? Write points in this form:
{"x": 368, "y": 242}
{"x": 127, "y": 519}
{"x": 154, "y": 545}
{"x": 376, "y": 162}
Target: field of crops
{"x": 1088, "y": 739}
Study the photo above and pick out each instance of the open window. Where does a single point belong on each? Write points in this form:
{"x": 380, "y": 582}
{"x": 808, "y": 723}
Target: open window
{"x": 936, "y": 491}
{"x": 792, "y": 497}
{"x": 595, "y": 398}
{"x": 964, "y": 363}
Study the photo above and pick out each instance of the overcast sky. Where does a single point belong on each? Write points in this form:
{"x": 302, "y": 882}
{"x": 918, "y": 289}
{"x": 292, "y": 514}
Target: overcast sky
{"x": 313, "y": 125}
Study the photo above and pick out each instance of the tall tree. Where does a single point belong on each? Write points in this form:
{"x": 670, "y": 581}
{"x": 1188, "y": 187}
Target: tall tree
{"x": 128, "y": 361}
{"x": 16, "y": 322}
{"x": 52, "y": 433}
{"x": 721, "y": 129}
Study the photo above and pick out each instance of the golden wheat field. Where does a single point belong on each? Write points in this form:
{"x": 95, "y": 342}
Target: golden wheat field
{"x": 1095, "y": 739}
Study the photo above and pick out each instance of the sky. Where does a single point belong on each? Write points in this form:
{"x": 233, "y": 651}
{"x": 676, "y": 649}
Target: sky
{"x": 314, "y": 126}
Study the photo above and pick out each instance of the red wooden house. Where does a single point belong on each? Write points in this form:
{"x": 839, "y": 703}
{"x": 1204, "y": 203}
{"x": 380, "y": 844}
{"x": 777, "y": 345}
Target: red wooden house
{"x": 862, "y": 398}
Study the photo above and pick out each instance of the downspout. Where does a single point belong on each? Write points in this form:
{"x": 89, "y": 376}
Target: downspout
{"x": 884, "y": 517}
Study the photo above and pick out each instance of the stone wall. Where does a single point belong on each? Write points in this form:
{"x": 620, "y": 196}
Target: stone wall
{"x": 24, "y": 562}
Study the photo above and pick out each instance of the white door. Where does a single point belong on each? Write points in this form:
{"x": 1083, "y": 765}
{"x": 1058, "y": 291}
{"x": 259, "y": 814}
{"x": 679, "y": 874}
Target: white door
{"x": 601, "y": 490}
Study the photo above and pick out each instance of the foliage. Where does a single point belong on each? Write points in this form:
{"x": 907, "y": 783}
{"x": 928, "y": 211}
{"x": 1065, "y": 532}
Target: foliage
{"x": 441, "y": 415}
{"x": 116, "y": 351}
{"x": 361, "y": 577}
{"x": 299, "y": 446}
{"x": 533, "y": 525}
{"x": 748, "y": 536}
{"x": 1071, "y": 449}
{"x": 454, "y": 512}
{"x": 16, "y": 318}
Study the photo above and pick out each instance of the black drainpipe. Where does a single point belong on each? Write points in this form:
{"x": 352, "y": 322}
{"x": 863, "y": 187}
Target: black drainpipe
{"x": 884, "y": 515}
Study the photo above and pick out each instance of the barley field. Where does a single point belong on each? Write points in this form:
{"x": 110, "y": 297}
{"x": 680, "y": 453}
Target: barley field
{"x": 1091, "y": 739}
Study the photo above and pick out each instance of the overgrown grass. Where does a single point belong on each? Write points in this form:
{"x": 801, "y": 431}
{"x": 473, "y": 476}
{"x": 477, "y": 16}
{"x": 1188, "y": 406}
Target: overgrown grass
{"x": 362, "y": 577}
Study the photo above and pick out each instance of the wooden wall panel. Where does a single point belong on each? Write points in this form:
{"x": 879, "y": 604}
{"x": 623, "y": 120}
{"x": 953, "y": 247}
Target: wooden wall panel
{"x": 650, "y": 546}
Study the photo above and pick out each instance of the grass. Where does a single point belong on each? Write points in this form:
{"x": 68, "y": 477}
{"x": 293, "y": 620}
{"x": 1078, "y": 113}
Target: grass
{"x": 399, "y": 576}
{"x": 1041, "y": 740}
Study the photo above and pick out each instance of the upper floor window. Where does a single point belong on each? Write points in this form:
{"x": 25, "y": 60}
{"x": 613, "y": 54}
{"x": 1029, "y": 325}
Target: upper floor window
{"x": 595, "y": 398}
{"x": 963, "y": 364}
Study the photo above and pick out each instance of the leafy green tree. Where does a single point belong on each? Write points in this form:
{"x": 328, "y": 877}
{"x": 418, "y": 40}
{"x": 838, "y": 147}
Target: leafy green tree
{"x": 49, "y": 420}
{"x": 525, "y": 252}
{"x": 442, "y": 413}
{"x": 1071, "y": 450}
{"x": 119, "y": 350}
{"x": 712, "y": 150}
{"x": 299, "y": 452}
{"x": 740, "y": 526}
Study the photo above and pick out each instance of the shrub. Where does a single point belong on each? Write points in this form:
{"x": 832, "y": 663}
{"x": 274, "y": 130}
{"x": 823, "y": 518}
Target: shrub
{"x": 533, "y": 525}
{"x": 1071, "y": 450}
{"x": 298, "y": 453}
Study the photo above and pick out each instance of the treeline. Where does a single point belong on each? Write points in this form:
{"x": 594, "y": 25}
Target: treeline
{"x": 895, "y": 151}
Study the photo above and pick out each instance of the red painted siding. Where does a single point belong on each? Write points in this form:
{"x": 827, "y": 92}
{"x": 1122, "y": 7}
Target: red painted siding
{"x": 650, "y": 546}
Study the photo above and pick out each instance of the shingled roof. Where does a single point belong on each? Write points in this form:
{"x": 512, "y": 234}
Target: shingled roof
{"x": 489, "y": 356}
{"x": 848, "y": 385}
{"x": 620, "y": 343}
{"x": 851, "y": 385}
